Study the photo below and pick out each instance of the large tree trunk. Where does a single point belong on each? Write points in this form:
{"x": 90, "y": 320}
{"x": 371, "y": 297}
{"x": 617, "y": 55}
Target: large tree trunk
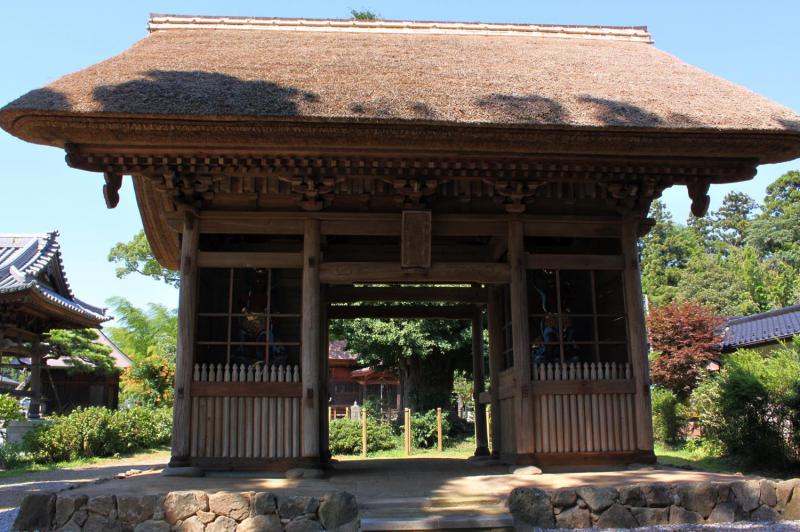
{"x": 426, "y": 383}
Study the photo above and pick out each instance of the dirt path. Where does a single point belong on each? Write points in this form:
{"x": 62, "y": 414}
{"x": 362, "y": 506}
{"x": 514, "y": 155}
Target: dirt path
{"x": 14, "y": 489}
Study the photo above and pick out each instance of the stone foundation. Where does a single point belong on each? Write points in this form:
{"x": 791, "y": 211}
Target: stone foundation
{"x": 656, "y": 504}
{"x": 188, "y": 511}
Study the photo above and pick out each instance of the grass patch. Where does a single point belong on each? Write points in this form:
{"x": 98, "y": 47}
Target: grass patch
{"x": 462, "y": 449}
{"x": 79, "y": 463}
{"x": 698, "y": 459}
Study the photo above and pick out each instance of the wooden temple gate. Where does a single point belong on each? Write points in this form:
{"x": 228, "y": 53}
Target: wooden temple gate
{"x": 499, "y": 168}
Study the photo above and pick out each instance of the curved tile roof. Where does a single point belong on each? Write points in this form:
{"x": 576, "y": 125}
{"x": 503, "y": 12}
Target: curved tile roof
{"x": 24, "y": 261}
{"x": 762, "y": 328}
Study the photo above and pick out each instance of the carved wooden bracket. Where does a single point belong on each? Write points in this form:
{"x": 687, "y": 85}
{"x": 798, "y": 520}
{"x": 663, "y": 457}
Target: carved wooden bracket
{"x": 698, "y": 192}
{"x": 413, "y": 193}
{"x": 111, "y": 189}
{"x": 514, "y": 194}
{"x": 315, "y": 192}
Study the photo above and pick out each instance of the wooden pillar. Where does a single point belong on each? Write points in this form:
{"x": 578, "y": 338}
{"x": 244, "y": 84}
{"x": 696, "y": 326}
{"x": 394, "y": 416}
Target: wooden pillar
{"x": 34, "y": 408}
{"x": 637, "y": 335}
{"x": 494, "y": 313}
{"x": 523, "y": 411}
{"x": 310, "y": 339}
{"x": 481, "y": 438}
{"x": 184, "y": 358}
{"x": 324, "y": 392}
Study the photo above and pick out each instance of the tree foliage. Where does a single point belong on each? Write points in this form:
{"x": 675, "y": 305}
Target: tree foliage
{"x": 364, "y": 14}
{"x": 684, "y": 337}
{"x": 79, "y": 351}
{"x": 743, "y": 258}
{"x": 424, "y": 353}
{"x": 148, "y": 336}
{"x": 136, "y": 256}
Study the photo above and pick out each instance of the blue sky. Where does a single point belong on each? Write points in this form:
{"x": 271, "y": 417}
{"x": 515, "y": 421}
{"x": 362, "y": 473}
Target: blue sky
{"x": 750, "y": 43}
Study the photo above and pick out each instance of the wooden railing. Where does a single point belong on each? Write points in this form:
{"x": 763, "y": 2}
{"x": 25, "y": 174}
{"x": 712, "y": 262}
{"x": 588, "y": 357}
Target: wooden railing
{"x": 241, "y": 411}
{"x": 585, "y": 407}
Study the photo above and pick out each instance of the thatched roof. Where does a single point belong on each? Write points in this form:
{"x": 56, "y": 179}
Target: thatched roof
{"x": 567, "y": 77}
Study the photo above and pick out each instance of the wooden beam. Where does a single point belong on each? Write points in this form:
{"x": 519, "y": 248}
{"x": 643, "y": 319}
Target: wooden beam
{"x": 411, "y": 312}
{"x": 415, "y": 241}
{"x": 521, "y": 339}
{"x": 230, "y": 259}
{"x": 637, "y": 335}
{"x": 498, "y": 245}
{"x": 247, "y": 389}
{"x": 445, "y": 294}
{"x": 386, "y": 272}
{"x": 184, "y": 359}
{"x": 389, "y": 224}
{"x": 574, "y": 262}
{"x": 494, "y": 312}
{"x": 310, "y": 339}
{"x": 481, "y": 438}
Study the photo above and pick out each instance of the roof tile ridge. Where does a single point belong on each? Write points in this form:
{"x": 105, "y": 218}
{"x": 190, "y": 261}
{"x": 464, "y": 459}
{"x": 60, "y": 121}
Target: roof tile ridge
{"x": 762, "y": 315}
{"x": 159, "y": 22}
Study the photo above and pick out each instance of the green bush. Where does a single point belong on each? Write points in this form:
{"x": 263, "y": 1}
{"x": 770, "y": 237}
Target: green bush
{"x": 669, "y": 416}
{"x": 98, "y": 432}
{"x": 751, "y": 407}
{"x": 424, "y": 429}
{"x": 344, "y": 436}
{"x": 9, "y": 410}
{"x": 10, "y": 455}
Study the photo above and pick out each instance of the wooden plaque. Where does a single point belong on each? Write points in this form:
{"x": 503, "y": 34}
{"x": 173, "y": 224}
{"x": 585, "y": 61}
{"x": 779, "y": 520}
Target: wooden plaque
{"x": 416, "y": 240}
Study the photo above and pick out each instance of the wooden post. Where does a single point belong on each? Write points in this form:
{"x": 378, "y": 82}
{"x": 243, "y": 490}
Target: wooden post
{"x": 364, "y": 432}
{"x": 637, "y": 335}
{"x": 481, "y": 438}
{"x": 520, "y": 339}
{"x": 187, "y": 301}
{"x": 324, "y": 392}
{"x": 439, "y": 444}
{"x": 494, "y": 311}
{"x": 407, "y": 430}
{"x": 310, "y": 339}
{"x": 34, "y": 407}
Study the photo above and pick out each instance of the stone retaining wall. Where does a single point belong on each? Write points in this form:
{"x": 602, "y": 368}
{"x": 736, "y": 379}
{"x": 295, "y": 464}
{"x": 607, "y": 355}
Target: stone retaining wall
{"x": 656, "y": 504}
{"x": 188, "y": 511}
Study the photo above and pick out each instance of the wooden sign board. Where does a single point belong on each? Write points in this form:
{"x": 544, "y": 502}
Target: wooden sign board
{"x": 416, "y": 239}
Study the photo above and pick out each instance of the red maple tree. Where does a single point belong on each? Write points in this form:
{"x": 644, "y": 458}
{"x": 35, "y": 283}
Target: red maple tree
{"x": 686, "y": 337}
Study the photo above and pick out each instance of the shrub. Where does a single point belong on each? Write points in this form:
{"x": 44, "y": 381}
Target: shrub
{"x": 10, "y": 455}
{"x": 9, "y": 410}
{"x": 669, "y": 416}
{"x": 686, "y": 336}
{"x": 98, "y": 432}
{"x": 750, "y": 408}
{"x": 344, "y": 436}
{"x": 424, "y": 429}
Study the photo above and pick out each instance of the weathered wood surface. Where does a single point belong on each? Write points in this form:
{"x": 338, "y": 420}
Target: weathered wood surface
{"x": 244, "y": 411}
{"x": 415, "y": 243}
{"x": 441, "y": 272}
{"x": 229, "y": 259}
{"x": 187, "y": 303}
{"x": 310, "y": 339}
{"x": 637, "y": 333}
{"x": 520, "y": 338}
{"x": 494, "y": 316}
{"x": 481, "y": 437}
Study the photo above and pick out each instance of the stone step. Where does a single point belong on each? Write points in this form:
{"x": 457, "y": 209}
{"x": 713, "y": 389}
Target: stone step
{"x": 439, "y": 522}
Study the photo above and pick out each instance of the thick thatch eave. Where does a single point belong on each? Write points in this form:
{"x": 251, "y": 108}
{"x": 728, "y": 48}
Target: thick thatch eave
{"x": 184, "y": 87}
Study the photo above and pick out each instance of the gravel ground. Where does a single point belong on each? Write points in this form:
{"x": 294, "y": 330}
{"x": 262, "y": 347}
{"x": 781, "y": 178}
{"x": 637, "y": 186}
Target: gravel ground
{"x": 14, "y": 489}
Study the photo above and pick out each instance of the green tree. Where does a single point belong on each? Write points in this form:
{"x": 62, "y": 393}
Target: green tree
{"x": 364, "y": 14}
{"x": 136, "y": 256}
{"x": 423, "y": 352}
{"x": 148, "y": 336}
{"x": 666, "y": 252}
{"x": 776, "y": 232}
{"x": 730, "y": 223}
{"x": 79, "y": 351}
